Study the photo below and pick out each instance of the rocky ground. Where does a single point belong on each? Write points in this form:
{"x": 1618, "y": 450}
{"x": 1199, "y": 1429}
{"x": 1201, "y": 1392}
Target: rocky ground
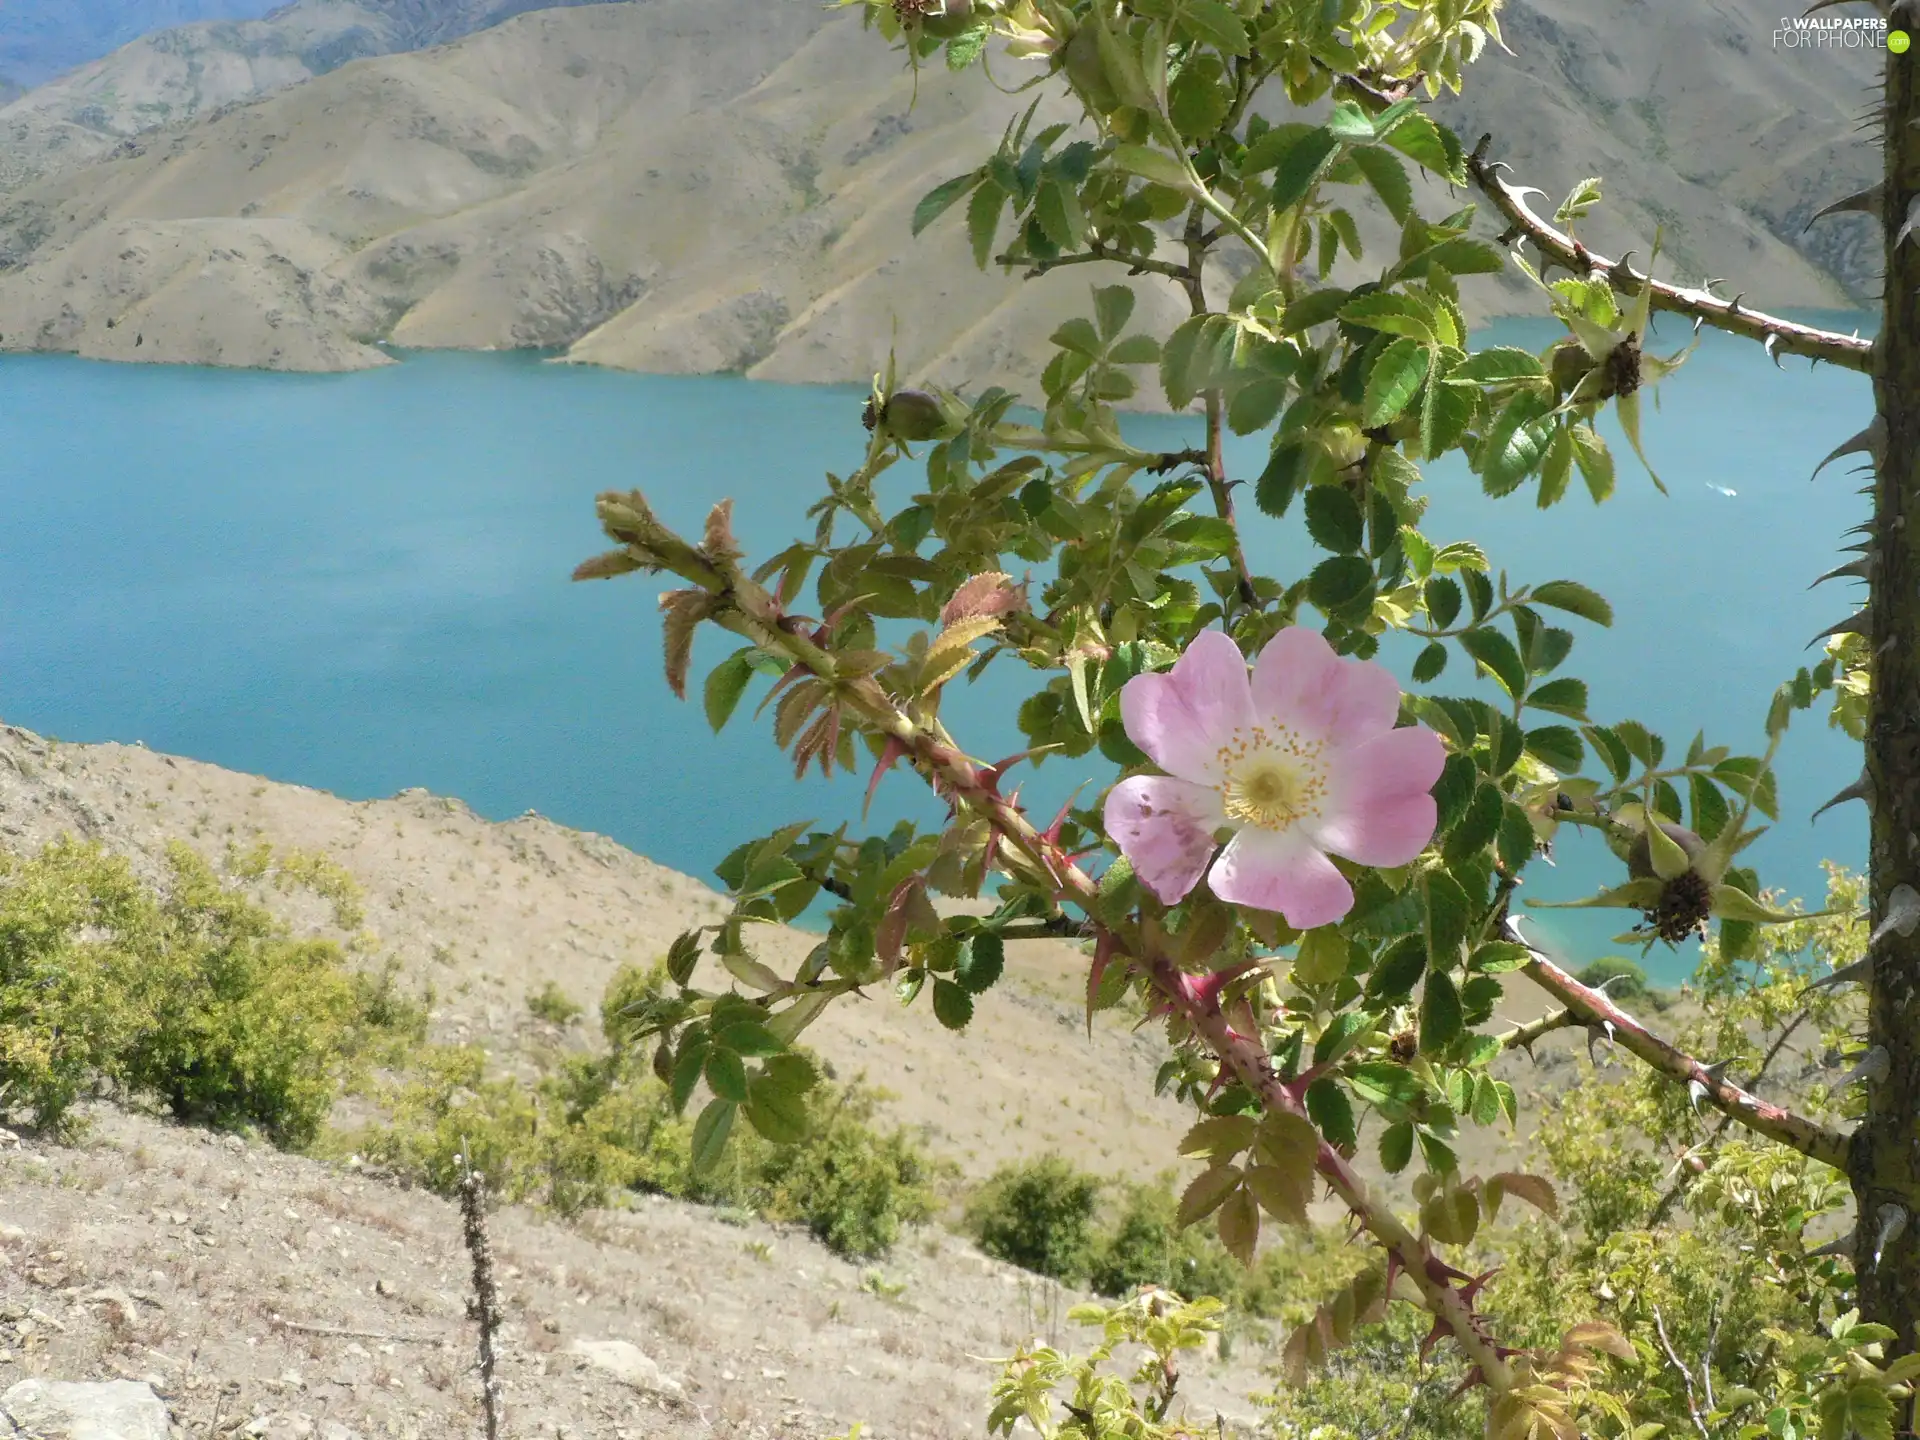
{"x": 263, "y": 1294}
{"x": 269, "y": 1294}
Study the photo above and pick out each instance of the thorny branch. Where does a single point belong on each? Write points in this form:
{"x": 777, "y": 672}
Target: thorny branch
{"x": 1593, "y": 1008}
{"x": 1849, "y": 352}
{"x": 735, "y": 602}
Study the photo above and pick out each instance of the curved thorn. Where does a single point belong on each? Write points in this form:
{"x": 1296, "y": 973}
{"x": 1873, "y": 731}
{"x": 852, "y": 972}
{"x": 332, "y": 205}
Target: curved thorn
{"x": 1862, "y": 202}
{"x": 1861, "y": 569}
{"x": 1861, "y": 789}
{"x": 1839, "y": 1245}
{"x": 1870, "y": 441}
{"x": 1857, "y": 624}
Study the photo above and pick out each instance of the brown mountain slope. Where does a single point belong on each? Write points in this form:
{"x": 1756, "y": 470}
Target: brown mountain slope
{"x": 176, "y": 75}
{"x": 727, "y": 185}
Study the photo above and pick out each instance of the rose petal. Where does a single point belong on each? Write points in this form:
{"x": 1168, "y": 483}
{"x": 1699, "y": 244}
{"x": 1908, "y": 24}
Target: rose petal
{"x": 1182, "y": 718}
{"x": 1165, "y": 827}
{"x": 1281, "y": 870}
{"x": 1299, "y": 683}
{"x": 1380, "y": 811}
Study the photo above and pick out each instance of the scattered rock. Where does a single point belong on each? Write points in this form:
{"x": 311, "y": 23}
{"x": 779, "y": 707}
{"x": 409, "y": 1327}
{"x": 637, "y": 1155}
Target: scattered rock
{"x": 59, "y": 1410}
{"x": 627, "y": 1362}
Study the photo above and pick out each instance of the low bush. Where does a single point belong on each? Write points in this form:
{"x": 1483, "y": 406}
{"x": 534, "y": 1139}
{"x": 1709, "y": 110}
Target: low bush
{"x": 189, "y": 995}
{"x": 599, "y": 1124}
{"x": 1038, "y": 1214}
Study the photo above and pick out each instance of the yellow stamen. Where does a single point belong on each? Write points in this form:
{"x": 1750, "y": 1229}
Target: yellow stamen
{"x": 1271, "y": 781}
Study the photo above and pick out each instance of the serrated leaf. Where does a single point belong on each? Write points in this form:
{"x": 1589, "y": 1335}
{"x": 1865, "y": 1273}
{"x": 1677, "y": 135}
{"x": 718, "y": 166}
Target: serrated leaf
{"x": 710, "y": 1132}
{"x": 1440, "y": 1014}
{"x": 982, "y": 959}
{"x": 1557, "y": 746}
{"x": 1151, "y": 164}
{"x": 1304, "y": 163}
{"x": 749, "y": 1038}
{"x": 1240, "y": 1225}
{"x": 1282, "y": 1193}
{"x": 937, "y": 201}
{"x": 779, "y": 1114}
{"x": 1428, "y": 664}
{"x": 1396, "y": 1146}
{"x": 952, "y": 1005}
{"x": 1212, "y": 23}
{"x": 1394, "y": 313}
{"x": 1575, "y": 599}
{"x": 1334, "y": 520}
{"x": 1394, "y": 380}
{"x": 1564, "y": 697}
{"x": 1494, "y": 651}
{"x": 1220, "y": 1137}
{"x": 725, "y": 685}
{"x": 1288, "y": 1141}
{"x": 983, "y": 220}
{"x": 1332, "y": 1111}
{"x": 1535, "y": 1190}
{"x": 726, "y": 1075}
{"x": 1388, "y": 176}
{"x": 1206, "y": 1193}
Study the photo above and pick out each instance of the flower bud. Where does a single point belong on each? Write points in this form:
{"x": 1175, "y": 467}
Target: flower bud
{"x": 914, "y": 415}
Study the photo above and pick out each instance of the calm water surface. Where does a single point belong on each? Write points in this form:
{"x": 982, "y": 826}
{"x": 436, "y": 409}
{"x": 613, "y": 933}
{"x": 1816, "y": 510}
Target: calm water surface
{"x": 360, "y": 583}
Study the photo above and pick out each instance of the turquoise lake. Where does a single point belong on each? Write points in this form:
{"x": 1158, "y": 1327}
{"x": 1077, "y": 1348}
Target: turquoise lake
{"x": 360, "y": 583}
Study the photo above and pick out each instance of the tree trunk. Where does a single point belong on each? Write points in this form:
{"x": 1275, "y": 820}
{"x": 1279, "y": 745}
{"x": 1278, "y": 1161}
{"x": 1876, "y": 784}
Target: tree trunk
{"x": 1886, "y": 1146}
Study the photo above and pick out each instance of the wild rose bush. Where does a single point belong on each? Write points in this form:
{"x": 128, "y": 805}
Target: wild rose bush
{"x": 1305, "y": 870}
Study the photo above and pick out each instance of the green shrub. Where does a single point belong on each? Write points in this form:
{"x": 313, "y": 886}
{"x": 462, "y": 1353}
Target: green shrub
{"x": 1145, "y": 1247}
{"x": 601, "y": 1124}
{"x": 190, "y": 995}
{"x": 850, "y": 1185}
{"x": 553, "y": 1005}
{"x": 1630, "y": 981}
{"x": 1038, "y": 1215}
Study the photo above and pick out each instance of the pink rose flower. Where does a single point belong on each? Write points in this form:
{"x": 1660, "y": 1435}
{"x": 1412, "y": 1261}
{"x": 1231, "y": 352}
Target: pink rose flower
{"x": 1295, "y": 763}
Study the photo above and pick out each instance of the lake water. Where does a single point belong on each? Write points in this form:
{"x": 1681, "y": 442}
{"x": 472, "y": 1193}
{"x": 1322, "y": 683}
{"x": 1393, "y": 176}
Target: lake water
{"x": 360, "y": 583}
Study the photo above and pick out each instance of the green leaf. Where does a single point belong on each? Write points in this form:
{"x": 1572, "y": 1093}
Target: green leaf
{"x": 983, "y": 219}
{"x": 1113, "y": 307}
{"x": 1316, "y": 307}
{"x": 1394, "y": 313}
{"x": 750, "y": 1038}
{"x": 1445, "y": 413}
{"x": 1564, "y": 697}
{"x": 1590, "y": 453}
{"x": 1303, "y": 165}
{"x": 1334, "y": 520}
{"x": 1428, "y": 664}
{"x": 1212, "y": 23}
{"x": 937, "y": 201}
{"x": 1331, "y": 1111}
{"x": 1497, "y": 364}
{"x": 1496, "y": 957}
{"x": 726, "y": 1075}
{"x": 1440, "y": 1021}
{"x": 1254, "y": 405}
{"x": 1453, "y": 791}
{"x": 1394, "y": 381}
{"x": 1197, "y": 356}
{"x": 1396, "y": 1146}
{"x": 1341, "y": 582}
{"x": 1382, "y": 1082}
{"x": 710, "y": 1134}
{"x": 1443, "y": 598}
{"x": 1480, "y": 824}
{"x": 725, "y": 685}
{"x": 1515, "y": 444}
{"x": 1151, "y": 164}
{"x": 982, "y": 959}
{"x": 1388, "y": 176}
{"x": 1448, "y": 912}
{"x": 1516, "y": 837}
{"x": 952, "y": 1005}
{"x": 779, "y": 1114}
{"x": 1557, "y": 746}
{"x": 1420, "y": 139}
{"x": 1575, "y": 599}
{"x": 1398, "y": 969}
{"x": 1493, "y": 650}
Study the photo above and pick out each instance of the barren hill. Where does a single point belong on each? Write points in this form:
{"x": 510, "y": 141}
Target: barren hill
{"x": 681, "y": 186}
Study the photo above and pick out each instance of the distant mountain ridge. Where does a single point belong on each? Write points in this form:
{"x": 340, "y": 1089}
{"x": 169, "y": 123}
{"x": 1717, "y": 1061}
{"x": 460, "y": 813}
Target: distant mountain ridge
{"x": 702, "y": 185}
{"x": 40, "y": 39}
{"x": 172, "y": 76}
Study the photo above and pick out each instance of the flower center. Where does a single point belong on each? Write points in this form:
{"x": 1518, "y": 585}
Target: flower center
{"x": 1271, "y": 781}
